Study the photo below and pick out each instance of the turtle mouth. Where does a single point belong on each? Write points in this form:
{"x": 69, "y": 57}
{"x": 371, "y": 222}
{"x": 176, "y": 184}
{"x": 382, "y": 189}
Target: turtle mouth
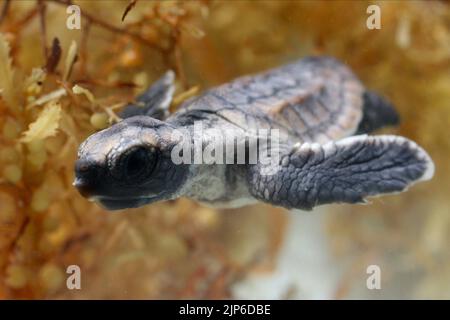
{"x": 112, "y": 204}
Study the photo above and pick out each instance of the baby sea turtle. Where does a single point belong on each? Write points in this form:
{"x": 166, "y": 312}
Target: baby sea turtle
{"x": 318, "y": 105}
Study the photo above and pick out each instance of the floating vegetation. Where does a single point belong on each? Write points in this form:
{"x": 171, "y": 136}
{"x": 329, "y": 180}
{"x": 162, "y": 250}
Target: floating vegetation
{"x": 59, "y": 85}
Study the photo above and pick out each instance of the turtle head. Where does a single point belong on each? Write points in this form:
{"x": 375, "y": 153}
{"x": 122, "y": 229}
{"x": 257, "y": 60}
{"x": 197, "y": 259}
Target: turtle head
{"x": 129, "y": 165}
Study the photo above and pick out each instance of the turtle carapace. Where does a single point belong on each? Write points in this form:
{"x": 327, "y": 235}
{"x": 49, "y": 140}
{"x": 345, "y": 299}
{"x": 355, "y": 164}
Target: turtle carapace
{"x": 320, "y": 111}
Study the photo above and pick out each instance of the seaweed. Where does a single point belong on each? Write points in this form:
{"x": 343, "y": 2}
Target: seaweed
{"x": 59, "y": 85}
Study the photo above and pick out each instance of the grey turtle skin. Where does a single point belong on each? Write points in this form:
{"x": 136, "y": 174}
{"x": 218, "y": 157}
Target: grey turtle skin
{"x": 318, "y": 105}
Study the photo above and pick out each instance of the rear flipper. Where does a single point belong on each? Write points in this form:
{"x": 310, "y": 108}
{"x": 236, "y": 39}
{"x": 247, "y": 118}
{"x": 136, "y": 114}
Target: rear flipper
{"x": 348, "y": 170}
{"x": 377, "y": 113}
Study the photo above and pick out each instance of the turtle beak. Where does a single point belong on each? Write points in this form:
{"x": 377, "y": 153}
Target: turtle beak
{"x": 83, "y": 188}
{"x": 85, "y": 178}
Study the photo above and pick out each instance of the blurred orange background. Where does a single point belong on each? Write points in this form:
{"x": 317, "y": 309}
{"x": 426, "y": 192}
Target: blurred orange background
{"x": 180, "y": 249}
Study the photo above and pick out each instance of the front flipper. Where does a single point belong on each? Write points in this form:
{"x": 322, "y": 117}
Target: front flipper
{"x": 348, "y": 170}
{"x": 155, "y": 101}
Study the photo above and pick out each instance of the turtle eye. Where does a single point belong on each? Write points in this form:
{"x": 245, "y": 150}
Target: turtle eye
{"x": 138, "y": 163}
